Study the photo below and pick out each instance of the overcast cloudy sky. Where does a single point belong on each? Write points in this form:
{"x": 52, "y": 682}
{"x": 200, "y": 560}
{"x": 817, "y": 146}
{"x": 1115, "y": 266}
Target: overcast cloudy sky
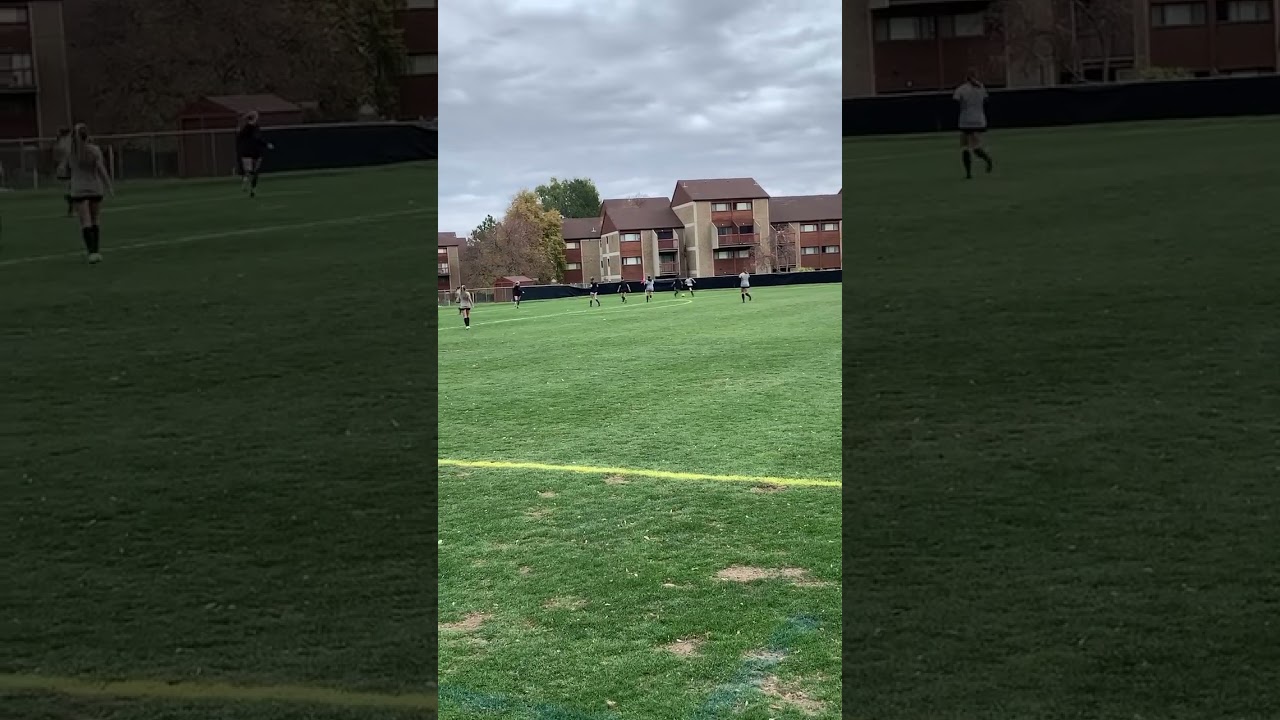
{"x": 635, "y": 94}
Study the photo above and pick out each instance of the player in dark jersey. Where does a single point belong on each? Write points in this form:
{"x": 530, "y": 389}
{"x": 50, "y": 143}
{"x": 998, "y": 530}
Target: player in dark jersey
{"x": 623, "y": 289}
{"x": 595, "y": 293}
{"x": 516, "y": 292}
{"x": 677, "y": 285}
{"x": 250, "y": 147}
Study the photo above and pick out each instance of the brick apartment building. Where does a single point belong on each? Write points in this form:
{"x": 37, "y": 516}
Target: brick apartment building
{"x": 35, "y": 96}
{"x": 897, "y": 46}
{"x": 419, "y": 85}
{"x": 581, "y": 249}
{"x": 707, "y": 228}
{"x": 448, "y": 261}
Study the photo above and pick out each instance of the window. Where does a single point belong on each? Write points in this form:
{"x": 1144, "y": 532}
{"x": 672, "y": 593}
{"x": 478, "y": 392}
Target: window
{"x": 572, "y": 245}
{"x": 15, "y": 71}
{"x": 1244, "y": 11}
{"x": 724, "y": 254}
{"x": 573, "y": 266}
{"x": 742, "y": 205}
{"x": 719, "y": 207}
{"x": 746, "y": 229}
{"x": 743, "y": 253}
{"x": 830, "y": 227}
{"x": 442, "y": 251}
{"x": 830, "y": 249}
{"x": 967, "y": 25}
{"x": 442, "y": 268}
{"x": 666, "y": 234}
{"x": 630, "y": 237}
{"x": 905, "y": 28}
{"x": 809, "y": 227}
{"x": 422, "y": 4}
{"x": 721, "y": 230}
{"x": 1178, "y": 14}
{"x": 630, "y": 261}
{"x": 13, "y": 16}
{"x": 423, "y": 64}
{"x": 808, "y": 251}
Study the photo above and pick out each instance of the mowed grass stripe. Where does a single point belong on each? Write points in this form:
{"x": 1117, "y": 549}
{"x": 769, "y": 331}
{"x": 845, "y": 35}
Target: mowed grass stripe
{"x": 221, "y": 692}
{"x": 639, "y": 472}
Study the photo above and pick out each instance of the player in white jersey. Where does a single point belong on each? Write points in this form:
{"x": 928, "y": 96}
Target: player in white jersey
{"x": 648, "y": 288}
{"x": 744, "y": 285}
{"x": 972, "y": 97}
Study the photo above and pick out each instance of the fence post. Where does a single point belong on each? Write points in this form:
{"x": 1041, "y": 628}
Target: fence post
{"x": 154, "y": 164}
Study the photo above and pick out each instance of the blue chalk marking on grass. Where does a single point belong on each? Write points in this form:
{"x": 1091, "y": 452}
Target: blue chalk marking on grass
{"x": 724, "y": 699}
{"x": 488, "y": 702}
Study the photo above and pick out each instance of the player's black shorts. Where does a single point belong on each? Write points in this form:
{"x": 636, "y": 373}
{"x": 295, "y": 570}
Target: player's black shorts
{"x": 84, "y": 198}
{"x": 973, "y": 130}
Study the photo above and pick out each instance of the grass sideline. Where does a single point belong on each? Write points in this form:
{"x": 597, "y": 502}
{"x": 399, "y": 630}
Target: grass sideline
{"x": 209, "y": 441}
{"x": 595, "y": 589}
{"x": 1063, "y": 425}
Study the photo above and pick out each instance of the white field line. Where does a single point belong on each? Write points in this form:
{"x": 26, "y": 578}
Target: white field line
{"x": 172, "y": 203}
{"x": 140, "y": 245}
{"x": 598, "y": 311}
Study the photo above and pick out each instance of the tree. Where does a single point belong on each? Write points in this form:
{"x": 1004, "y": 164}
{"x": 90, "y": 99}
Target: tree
{"x": 1065, "y": 34}
{"x": 536, "y": 229}
{"x": 576, "y": 198}
{"x": 780, "y": 250}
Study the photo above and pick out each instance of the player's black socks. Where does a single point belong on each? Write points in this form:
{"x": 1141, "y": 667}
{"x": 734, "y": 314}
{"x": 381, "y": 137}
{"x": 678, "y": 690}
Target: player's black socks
{"x": 97, "y": 238}
{"x": 86, "y": 233}
{"x": 968, "y": 163}
{"x": 982, "y": 153}
{"x": 466, "y": 321}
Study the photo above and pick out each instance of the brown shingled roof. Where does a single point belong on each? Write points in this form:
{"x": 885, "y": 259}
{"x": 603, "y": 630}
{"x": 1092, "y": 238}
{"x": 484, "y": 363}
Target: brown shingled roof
{"x": 805, "y": 208}
{"x": 721, "y": 189}
{"x": 580, "y": 228}
{"x": 448, "y": 239}
{"x": 652, "y": 213}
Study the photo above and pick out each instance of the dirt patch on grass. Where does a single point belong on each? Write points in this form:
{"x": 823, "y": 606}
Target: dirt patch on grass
{"x": 470, "y": 623}
{"x": 768, "y": 488}
{"x": 546, "y": 494}
{"x": 616, "y": 480}
{"x": 565, "y": 603}
{"x": 765, "y": 657}
{"x": 525, "y": 570}
{"x": 750, "y": 573}
{"x": 685, "y": 647}
{"x": 537, "y": 513}
{"x": 791, "y": 695}
{"x": 673, "y": 586}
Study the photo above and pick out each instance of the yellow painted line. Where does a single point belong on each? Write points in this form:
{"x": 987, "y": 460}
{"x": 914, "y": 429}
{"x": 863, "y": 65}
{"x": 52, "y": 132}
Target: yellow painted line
{"x": 638, "y": 472}
{"x": 188, "y": 691}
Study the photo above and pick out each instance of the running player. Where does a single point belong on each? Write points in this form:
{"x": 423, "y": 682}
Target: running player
{"x": 89, "y": 183}
{"x": 595, "y": 293}
{"x": 648, "y": 288}
{"x": 688, "y": 283}
{"x": 465, "y": 302}
{"x": 623, "y": 289}
{"x": 250, "y": 146}
{"x": 972, "y": 97}
{"x": 677, "y": 285}
{"x": 744, "y": 285}
{"x": 516, "y": 292}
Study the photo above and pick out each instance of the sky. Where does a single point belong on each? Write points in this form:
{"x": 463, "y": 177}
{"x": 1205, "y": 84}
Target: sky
{"x": 635, "y": 94}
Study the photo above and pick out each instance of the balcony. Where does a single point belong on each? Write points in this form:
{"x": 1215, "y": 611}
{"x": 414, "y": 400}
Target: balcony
{"x": 670, "y": 245}
{"x": 736, "y": 240}
{"x": 17, "y": 80}
{"x": 668, "y": 269}
{"x": 733, "y": 217}
{"x": 442, "y": 269}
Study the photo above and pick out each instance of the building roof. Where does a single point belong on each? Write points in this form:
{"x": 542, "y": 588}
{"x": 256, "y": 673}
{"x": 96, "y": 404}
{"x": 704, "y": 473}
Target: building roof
{"x": 448, "y": 239}
{"x": 580, "y": 228}
{"x": 805, "y": 208}
{"x": 522, "y": 279}
{"x": 262, "y": 103}
{"x": 651, "y": 213}
{"x": 688, "y": 191}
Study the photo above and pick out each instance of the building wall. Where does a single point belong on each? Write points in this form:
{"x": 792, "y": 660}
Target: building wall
{"x": 418, "y": 92}
{"x": 452, "y": 256}
{"x": 573, "y": 256}
{"x": 822, "y": 240}
{"x": 611, "y": 256}
{"x": 859, "y": 58}
{"x": 591, "y": 253}
{"x": 49, "y": 50}
{"x": 1215, "y": 46}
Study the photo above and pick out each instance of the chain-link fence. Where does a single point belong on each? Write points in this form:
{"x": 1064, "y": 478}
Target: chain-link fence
{"x": 445, "y": 298}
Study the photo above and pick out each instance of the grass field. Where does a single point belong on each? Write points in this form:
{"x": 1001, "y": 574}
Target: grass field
{"x": 212, "y": 452}
{"x": 1063, "y": 482}
{"x": 591, "y": 589}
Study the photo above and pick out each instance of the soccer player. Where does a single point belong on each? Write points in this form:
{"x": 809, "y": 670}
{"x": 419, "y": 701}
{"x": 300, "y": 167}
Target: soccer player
{"x": 744, "y": 285}
{"x": 677, "y": 285}
{"x": 623, "y": 289}
{"x": 648, "y": 288}
{"x": 688, "y": 283}
{"x": 250, "y": 146}
{"x": 464, "y": 305}
{"x": 61, "y": 149}
{"x": 516, "y": 292}
{"x": 595, "y": 293}
{"x": 89, "y": 182}
{"x": 972, "y": 97}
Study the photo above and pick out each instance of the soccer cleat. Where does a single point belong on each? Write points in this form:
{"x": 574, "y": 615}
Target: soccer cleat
{"x": 95, "y": 258}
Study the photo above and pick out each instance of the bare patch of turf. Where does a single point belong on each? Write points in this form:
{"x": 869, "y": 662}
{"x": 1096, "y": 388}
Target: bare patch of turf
{"x": 470, "y": 623}
{"x": 685, "y": 647}
{"x": 768, "y": 488}
{"x": 791, "y": 695}
{"x": 537, "y": 513}
{"x": 525, "y": 570}
{"x": 546, "y": 494}
{"x": 616, "y": 480}
{"x": 565, "y": 603}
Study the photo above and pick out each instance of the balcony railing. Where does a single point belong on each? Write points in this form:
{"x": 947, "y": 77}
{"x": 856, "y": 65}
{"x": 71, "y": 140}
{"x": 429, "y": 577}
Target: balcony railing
{"x": 667, "y": 244}
{"x": 443, "y": 268}
{"x": 17, "y": 79}
{"x": 668, "y": 268}
{"x": 737, "y": 239}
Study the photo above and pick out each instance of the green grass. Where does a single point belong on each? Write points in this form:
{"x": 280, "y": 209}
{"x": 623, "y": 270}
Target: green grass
{"x": 575, "y": 582}
{"x": 1062, "y": 423}
{"x": 212, "y": 442}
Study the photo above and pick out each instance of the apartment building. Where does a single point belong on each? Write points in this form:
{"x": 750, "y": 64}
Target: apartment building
{"x": 581, "y": 249}
{"x": 895, "y": 46}
{"x": 420, "y": 83}
{"x": 807, "y": 231}
{"x": 448, "y": 261}
{"x": 638, "y": 237}
{"x": 725, "y": 224}
{"x": 35, "y": 96}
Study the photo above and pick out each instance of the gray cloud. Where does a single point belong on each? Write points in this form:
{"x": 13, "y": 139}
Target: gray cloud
{"x": 635, "y": 95}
